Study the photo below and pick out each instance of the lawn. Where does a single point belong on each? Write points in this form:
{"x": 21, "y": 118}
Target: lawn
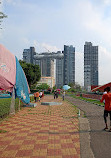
{"x": 5, "y": 106}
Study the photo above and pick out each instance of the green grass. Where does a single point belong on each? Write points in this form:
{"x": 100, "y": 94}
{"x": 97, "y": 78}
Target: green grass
{"x": 5, "y": 106}
{"x": 3, "y": 131}
{"x": 89, "y": 100}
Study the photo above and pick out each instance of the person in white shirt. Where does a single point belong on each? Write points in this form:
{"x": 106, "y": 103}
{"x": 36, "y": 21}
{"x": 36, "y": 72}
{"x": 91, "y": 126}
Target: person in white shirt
{"x": 40, "y": 94}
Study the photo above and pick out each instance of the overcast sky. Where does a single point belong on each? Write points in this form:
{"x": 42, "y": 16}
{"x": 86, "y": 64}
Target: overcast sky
{"x": 51, "y": 24}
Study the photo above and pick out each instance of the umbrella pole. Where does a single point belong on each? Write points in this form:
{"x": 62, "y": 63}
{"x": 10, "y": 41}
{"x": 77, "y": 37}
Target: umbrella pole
{"x": 12, "y": 105}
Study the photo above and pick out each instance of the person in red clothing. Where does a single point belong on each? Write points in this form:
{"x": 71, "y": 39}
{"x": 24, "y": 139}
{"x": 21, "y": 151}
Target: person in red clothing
{"x": 37, "y": 96}
{"x": 107, "y": 109}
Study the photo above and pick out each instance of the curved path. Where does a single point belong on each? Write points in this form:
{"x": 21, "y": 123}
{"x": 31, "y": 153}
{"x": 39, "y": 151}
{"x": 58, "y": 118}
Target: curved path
{"x": 100, "y": 140}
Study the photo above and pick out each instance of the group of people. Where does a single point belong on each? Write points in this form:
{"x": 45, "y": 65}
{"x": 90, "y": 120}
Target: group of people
{"x": 106, "y": 98}
{"x": 38, "y": 96}
{"x": 56, "y": 94}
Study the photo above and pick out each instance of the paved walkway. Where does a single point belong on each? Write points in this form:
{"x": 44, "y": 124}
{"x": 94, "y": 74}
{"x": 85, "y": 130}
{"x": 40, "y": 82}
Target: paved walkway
{"x": 100, "y": 140}
{"x": 41, "y": 132}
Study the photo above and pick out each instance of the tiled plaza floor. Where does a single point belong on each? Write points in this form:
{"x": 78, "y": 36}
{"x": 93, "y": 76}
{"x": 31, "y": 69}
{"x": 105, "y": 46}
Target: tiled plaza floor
{"x": 41, "y": 132}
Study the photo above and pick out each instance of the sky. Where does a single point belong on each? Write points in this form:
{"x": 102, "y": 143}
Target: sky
{"x": 51, "y": 24}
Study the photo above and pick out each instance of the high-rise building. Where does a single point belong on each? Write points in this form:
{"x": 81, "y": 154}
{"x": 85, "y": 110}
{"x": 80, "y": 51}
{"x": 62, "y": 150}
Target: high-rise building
{"x": 28, "y": 55}
{"x": 59, "y": 66}
{"x": 69, "y": 64}
{"x": 51, "y": 65}
{"x": 46, "y": 67}
{"x": 90, "y": 65}
{"x": 59, "y": 72}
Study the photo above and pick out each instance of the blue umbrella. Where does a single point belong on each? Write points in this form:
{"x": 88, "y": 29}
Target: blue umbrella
{"x": 66, "y": 87}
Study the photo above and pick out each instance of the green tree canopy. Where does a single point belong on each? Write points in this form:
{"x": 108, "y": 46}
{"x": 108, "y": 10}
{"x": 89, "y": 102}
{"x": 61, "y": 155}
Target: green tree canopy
{"x": 75, "y": 87}
{"x": 2, "y": 15}
{"x": 32, "y": 72}
{"x": 43, "y": 86}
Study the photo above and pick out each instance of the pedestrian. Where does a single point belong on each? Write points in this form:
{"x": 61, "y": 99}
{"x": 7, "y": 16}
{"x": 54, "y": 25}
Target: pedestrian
{"x": 63, "y": 95}
{"x": 107, "y": 108}
{"x": 55, "y": 93}
{"x": 40, "y": 94}
{"x": 35, "y": 97}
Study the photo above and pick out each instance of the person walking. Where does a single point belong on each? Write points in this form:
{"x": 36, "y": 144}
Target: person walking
{"x": 37, "y": 96}
{"x": 107, "y": 108}
{"x": 55, "y": 93}
{"x": 40, "y": 94}
{"x": 63, "y": 95}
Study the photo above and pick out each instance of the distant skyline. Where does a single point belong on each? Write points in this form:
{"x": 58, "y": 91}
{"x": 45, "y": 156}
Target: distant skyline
{"x": 49, "y": 25}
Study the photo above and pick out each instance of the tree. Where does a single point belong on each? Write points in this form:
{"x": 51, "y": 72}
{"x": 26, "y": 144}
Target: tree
{"x": 54, "y": 88}
{"x": 75, "y": 87}
{"x": 2, "y": 15}
{"x": 32, "y": 72}
{"x": 43, "y": 86}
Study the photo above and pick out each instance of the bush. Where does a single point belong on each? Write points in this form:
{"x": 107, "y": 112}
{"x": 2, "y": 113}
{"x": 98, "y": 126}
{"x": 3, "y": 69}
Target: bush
{"x": 71, "y": 90}
{"x": 46, "y": 92}
{"x": 81, "y": 95}
{"x": 33, "y": 90}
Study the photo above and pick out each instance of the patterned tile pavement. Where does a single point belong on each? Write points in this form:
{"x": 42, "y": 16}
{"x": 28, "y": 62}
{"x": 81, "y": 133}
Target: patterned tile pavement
{"x": 41, "y": 132}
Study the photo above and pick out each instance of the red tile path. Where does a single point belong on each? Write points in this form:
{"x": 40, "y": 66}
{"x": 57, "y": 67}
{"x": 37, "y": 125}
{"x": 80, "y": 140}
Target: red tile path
{"x": 41, "y": 132}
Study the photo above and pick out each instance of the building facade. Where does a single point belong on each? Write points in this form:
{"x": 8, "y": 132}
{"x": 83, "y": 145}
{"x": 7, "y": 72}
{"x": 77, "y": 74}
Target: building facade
{"x": 59, "y": 66}
{"x": 59, "y": 72}
{"x": 28, "y": 55}
{"x": 90, "y": 65}
{"x": 51, "y": 65}
{"x": 48, "y": 80}
{"x": 69, "y": 64}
